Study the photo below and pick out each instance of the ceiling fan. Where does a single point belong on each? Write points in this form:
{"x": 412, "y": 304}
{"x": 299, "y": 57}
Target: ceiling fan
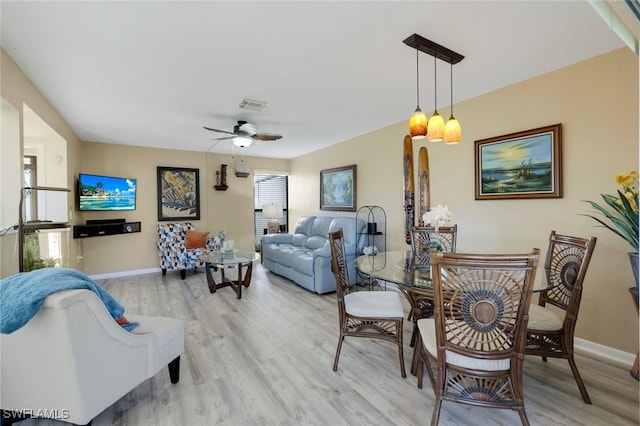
{"x": 244, "y": 133}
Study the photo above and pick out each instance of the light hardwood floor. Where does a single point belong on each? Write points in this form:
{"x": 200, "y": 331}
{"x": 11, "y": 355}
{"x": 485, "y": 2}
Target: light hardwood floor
{"x": 267, "y": 358}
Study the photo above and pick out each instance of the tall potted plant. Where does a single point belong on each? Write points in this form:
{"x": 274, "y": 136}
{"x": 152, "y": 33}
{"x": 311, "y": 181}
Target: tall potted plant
{"x": 619, "y": 214}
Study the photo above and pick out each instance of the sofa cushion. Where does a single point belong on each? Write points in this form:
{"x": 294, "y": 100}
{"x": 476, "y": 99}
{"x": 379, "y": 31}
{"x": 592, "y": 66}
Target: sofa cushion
{"x": 315, "y": 242}
{"x": 320, "y": 227}
{"x": 299, "y": 240}
{"x": 302, "y": 261}
{"x": 303, "y": 225}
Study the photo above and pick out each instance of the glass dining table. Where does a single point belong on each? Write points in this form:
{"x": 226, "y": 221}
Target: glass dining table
{"x": 399, "y": 267}
{"x": 414, "y": 281}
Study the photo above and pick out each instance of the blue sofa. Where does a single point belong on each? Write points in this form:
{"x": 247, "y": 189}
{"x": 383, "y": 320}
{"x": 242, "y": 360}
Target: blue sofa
{"x": 304, "y": 257}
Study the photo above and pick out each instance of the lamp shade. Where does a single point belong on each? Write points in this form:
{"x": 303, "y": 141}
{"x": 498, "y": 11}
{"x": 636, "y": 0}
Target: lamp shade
{"x": 452, "y": 131}
{"x": 418, "y": 124}
{"x": 436, "y": 128}
{"x": 272, "y": 210}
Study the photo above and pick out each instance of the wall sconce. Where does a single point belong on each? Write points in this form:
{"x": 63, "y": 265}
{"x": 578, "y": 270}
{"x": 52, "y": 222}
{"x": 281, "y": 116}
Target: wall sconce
{"x": 273, "y": 211}
{"x": 436, "y": 129}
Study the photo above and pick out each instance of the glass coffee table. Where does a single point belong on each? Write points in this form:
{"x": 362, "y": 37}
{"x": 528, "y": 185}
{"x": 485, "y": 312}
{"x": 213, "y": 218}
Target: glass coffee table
{"x": 234, "y": 259}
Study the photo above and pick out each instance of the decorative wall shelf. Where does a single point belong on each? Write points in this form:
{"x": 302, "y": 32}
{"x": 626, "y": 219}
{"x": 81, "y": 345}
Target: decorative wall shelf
{"x": 242, "y": 174}
{"x": 221, "y": 187}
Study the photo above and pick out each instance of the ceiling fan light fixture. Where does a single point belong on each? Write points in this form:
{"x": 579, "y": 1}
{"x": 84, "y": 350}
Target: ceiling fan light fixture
{"x": 242, "y": 141}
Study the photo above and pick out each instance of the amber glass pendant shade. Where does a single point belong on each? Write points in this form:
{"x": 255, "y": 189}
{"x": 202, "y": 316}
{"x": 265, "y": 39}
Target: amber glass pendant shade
{"x": 418, "y": 125}
{"x": 452, "y": 131}
{"x": 435, "y": 128}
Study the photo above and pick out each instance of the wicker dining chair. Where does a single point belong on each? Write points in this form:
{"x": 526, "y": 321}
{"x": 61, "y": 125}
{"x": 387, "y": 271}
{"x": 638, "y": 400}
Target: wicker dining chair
{"x": 371, "y": 314}
{"x": 423, "y": 238}
{"x": 473, "y": 347}
{"x": 550, "y": 332}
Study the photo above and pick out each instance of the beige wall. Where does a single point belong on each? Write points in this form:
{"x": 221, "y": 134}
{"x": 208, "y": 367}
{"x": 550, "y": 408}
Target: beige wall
{"x": 16, "y": 89}
{"x": 597, "y": 103}
{"x": 230, "y": 210}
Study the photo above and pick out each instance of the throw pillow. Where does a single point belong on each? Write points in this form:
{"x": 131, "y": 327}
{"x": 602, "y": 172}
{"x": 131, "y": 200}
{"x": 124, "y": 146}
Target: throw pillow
{"x": 196, "y": 239}
{"x": 122, "y": 320}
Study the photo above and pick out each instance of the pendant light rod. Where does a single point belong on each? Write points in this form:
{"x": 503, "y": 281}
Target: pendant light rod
{"x": 435, "y": 84}
{"x": 451, "y": 89}
{"x": 432, "y": 48}
{"x": 417, "y": 81}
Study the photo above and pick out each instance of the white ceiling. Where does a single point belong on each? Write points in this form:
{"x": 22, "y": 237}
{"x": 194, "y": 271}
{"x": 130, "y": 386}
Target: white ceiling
{"x": 153, "y": 73}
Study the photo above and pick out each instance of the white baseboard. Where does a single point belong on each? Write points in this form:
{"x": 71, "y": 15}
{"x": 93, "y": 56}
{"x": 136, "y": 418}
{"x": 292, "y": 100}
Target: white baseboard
{"x": 606, "y": 353}
{"x": 124, "y": 273}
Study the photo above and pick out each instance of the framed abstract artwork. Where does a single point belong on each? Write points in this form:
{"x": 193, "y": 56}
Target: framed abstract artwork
{"x": 178, "y": 194}
{"x": 525, "y": 164}
{"x": 338, "y": 189}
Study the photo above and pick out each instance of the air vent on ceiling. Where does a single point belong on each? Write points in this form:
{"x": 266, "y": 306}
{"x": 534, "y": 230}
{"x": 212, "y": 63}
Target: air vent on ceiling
{"x": 252, "y": 105}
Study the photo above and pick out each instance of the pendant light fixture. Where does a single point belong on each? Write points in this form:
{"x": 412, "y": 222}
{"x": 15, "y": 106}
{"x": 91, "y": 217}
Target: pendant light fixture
{"x": 452, "y": 131}
{"x": 436, "y": 122}
{"x": 435, "y": 127}
{"x": 418, "y": 121}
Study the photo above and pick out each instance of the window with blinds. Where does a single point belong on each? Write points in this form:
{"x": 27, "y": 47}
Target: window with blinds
{"x": 269, "y": 189}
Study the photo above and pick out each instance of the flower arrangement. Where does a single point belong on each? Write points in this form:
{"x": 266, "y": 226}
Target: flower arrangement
{"x": 621, "y": 217}
{"x": 438, "y": 216}
{"x": 218, "y": 240}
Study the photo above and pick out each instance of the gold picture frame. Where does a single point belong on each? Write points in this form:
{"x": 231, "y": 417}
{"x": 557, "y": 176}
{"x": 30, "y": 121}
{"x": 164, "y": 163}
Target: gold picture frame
{"x": 525, "y": 164}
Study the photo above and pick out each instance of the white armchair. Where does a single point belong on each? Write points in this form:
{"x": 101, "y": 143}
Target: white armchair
{"x": 72, "y": 360}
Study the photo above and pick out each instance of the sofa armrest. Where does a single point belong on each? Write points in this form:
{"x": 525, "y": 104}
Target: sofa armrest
{"x": 277, "y": 239}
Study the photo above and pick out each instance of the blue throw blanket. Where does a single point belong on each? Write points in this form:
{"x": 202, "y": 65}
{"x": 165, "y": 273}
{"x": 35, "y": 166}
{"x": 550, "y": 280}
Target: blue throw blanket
{"x": 22, "y": 295}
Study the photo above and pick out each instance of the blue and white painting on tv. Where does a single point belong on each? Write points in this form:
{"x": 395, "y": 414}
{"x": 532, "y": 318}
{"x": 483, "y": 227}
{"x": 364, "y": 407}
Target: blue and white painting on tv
{"x": 97, "y": 192}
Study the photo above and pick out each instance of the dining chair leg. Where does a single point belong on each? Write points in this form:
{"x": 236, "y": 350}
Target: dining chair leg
{"x": 414, "y": 335}
{"x": 417, "y": 362}
{"x": 400, "y": 349}
{"x": 523, "y": 417}
{"x": 335, "y": 361}
{"x": 416, "y": 356}
{"x": 581, "y": 386}
{"x": 435, "y": 417}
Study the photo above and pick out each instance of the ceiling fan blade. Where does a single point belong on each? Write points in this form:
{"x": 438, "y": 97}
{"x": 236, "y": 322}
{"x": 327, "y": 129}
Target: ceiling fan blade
{"x": 217, "y": 130}
{"x": 221, "y": 139}
{"x": 266, "y": 136}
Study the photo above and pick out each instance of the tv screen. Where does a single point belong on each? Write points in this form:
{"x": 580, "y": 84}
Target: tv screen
{"x": 106, "y": 193}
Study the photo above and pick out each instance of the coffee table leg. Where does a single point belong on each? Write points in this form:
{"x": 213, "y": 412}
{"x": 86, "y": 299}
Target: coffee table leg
{"x": 210, "y": 281}
{"x": 247, "y": 276}
{"x": 239, "y": 283}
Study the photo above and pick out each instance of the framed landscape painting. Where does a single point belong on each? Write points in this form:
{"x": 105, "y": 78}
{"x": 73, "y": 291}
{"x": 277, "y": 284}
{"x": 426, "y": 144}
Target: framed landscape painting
{"x": 338, "y": 189}
{"x": 525, "y": 164}
{"x": 178, "y": 194}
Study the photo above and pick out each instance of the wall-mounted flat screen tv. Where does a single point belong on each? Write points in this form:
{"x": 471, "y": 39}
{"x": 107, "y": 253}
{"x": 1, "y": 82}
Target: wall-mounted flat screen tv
{"x": 102, "y": 193}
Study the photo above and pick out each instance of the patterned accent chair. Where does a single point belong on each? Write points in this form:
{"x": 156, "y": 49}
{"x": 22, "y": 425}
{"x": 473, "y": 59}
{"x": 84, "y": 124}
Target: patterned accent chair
{"x": 173, "y": 251}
